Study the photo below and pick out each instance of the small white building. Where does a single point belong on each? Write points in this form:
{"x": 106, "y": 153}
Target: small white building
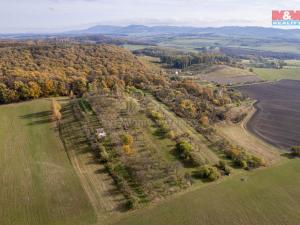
{"x": 100, "y": 133}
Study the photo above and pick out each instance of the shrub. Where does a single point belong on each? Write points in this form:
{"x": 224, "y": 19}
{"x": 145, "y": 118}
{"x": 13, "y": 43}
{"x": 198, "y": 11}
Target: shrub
{"x": 255, "y": 162}
{"x": 232, "y": 153}
{"x": 183, "y": 149}
{"x": 295, "y": 151}
{"x": 127, "y": 149}
{"x": 127, "y": 139}
{"x": 163, "y": 129}
{"x": 155, "y": 115}
{"x": 223, "y": 166}
{"x": 171, "y": 134}
{"x": 104, "y": 156}
{"x": 208, "y": 172}
{"x": 131, "y": 203}
{"x": 242, "y": 159}
{"x": 241, "y": 163}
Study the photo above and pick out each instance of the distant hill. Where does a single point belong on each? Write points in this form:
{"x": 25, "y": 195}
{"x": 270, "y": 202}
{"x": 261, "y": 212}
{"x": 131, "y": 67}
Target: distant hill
{"x": 260, "y": 32}
{"x": 141, "y": 30}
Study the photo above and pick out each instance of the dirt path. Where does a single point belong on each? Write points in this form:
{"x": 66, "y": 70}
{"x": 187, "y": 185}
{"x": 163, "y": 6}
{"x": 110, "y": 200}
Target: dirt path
{"x": 97, "y": 183}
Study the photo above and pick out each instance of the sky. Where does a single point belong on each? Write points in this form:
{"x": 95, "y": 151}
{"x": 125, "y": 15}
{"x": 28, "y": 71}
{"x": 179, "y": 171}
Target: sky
{"x": 62, "y": 15}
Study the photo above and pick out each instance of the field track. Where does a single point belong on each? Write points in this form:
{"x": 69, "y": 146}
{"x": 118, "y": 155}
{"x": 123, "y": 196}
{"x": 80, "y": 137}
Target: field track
{"x": 38, "y": 185}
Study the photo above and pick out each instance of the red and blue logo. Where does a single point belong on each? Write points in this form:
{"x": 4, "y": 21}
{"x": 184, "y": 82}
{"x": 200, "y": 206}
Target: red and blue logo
{"x": 286, "y": 17}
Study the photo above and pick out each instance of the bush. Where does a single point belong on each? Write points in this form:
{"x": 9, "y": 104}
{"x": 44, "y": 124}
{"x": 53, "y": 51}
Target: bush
{"x": 127, "y": 149}
{"x": 295, "y": 151}
{"x": 208, "y": 172}
{"x": 241, "y": 163}
{"x": 127, "y": 139}
{"x": 242, "y": 159}
{"x": 255, "y": 162}
{"x": 171, "y": 134}
{"x": 155, "y": 115}
{"x": 104, "y": 156}
{"x": 131, "y": 203}
{"x": 232, "y": 153}
{"x": 223, "y": 166}
{"x": 183, "y": 149}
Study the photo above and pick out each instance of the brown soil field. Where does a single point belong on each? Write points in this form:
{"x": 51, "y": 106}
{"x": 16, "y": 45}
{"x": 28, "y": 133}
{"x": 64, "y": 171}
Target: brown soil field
{"x": 277, "y": 118}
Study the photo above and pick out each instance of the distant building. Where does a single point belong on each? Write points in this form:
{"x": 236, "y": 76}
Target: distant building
{"x": 100, "y": 133}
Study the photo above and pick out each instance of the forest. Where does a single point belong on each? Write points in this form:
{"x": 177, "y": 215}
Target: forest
{"x": 34, "y": 69}
{"x": 30, "y": 70}
{"x": 181, "y": 60}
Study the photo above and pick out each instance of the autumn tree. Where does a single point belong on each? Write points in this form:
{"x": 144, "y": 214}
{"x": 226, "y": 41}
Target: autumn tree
{"x": 127, "y": 141}
{"x": 56, "y": 108}
{"x": 34, "y": 89}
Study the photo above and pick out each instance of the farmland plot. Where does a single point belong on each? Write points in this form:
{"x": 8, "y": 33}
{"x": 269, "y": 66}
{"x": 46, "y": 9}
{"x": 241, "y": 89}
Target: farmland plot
{"x": 38, "y": 184}
{"x": 277, "y": 118}
{"x": 264, "y": 197}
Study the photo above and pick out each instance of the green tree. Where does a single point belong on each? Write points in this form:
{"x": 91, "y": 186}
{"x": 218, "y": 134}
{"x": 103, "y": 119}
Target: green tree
{"x": 22, "y": 90}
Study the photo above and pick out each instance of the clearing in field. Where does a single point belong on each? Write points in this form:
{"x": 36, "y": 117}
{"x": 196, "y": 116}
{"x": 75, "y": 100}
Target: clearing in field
{"x": 38, "y": 184}
{"x": 264, "y": 197}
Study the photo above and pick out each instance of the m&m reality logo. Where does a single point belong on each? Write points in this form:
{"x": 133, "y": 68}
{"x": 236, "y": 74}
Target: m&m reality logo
{"x": 286, "y": 17}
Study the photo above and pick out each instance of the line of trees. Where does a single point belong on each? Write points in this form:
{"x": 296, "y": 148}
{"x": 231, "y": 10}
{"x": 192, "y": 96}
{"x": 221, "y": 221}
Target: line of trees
{"x": 181, "y": 60}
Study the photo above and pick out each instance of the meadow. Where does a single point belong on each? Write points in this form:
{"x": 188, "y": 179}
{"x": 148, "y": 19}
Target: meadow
{"x": 263, "y": 197}
{"x": 38, "y": 184}
{"x": 278, "y": 74}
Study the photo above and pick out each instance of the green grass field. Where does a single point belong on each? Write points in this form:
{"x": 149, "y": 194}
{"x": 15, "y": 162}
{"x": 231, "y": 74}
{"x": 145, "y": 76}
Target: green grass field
{"x": 38, "y": 185}
{"x": 263, "y": 197}
{"x": 278, "y": 74}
